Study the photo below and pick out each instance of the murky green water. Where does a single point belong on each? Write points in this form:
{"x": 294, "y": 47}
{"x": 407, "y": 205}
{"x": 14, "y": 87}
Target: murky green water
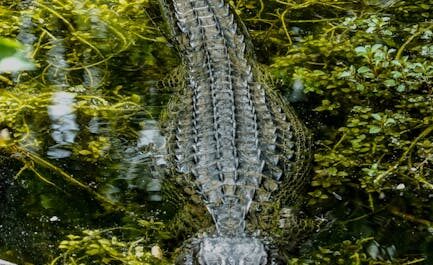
{"x": 83, "y": 126}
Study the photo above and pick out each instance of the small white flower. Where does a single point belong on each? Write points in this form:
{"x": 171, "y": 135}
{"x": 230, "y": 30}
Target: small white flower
{"x": 156, "y": 252}
{"x": 54, "y": 219}
{"x": 400, "y": 186}
{"x": 139, "y": 251}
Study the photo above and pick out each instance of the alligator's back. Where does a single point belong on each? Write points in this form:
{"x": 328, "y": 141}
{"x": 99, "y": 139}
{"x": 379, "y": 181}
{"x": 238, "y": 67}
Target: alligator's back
{"x": 232, "y": 136}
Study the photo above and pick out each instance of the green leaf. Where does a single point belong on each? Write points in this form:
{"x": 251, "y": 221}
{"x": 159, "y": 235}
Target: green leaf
{"x": 376, "y": 116}
{"x": 374, "y": 129}
{"x": 363, "y": 69}
{"x": 390, "y": 82}
{"x": 396, "y": 74}
{"x": 401, "y": 88}
{"x": 85, "y": 152}
{"x": 376, "y": 47}
{"x": 345, "y": 74}
{"x": 361, "y": 50}
{"x": 390, "y": 121}
{"x": 8, "y": 47}
{"x": 360, "y": 87}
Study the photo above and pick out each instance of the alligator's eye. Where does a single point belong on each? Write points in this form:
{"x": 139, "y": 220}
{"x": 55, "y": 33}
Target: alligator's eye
{"x": 185, "y": 259}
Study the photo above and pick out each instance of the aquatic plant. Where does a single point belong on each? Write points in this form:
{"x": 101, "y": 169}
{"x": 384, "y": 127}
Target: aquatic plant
{"x": 104, "y": 247}
{"x": 366, "y": 72}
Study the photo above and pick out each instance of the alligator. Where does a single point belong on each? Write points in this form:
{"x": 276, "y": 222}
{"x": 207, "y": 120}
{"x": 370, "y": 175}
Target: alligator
{"x": 232, "y": 136}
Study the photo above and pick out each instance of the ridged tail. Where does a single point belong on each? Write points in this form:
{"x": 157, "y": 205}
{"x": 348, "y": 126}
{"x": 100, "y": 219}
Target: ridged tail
{"x": 230, "y": 135}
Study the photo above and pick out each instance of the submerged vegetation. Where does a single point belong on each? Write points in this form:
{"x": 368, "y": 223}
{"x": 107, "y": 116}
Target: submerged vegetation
{"x": 76, "y": 172}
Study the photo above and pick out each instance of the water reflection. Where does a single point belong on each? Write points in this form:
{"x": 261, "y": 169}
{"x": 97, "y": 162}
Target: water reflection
{"x": 148, "y": 154}
{"x": 93, "y": 75}
{"x": 297, "y": 93}
{"x": 56, "y": 73}
{"x": 142, "y": 166}
{"x": 63, "y": 118}
{"x": 25, "y": 35}
{"x": 61, "y": 112}
{"x": 151, "y": 139}
{"x": 63, "y": 124}
{"x": 94, "y": 125}
{"x": 150, "y": 136}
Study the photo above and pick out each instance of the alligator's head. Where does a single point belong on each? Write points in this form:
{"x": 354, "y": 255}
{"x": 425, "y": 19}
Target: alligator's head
{"x": 220, "y": 250}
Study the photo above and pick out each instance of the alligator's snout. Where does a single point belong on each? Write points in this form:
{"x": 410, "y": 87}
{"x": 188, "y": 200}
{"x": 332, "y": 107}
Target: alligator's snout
{"x": 232, "y": 251}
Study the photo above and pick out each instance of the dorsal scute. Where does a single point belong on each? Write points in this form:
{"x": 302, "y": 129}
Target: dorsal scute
{"x": 237, "y": 139}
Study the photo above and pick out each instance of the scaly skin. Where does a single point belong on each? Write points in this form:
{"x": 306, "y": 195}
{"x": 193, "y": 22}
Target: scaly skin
{"x": 233, "y": 138}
